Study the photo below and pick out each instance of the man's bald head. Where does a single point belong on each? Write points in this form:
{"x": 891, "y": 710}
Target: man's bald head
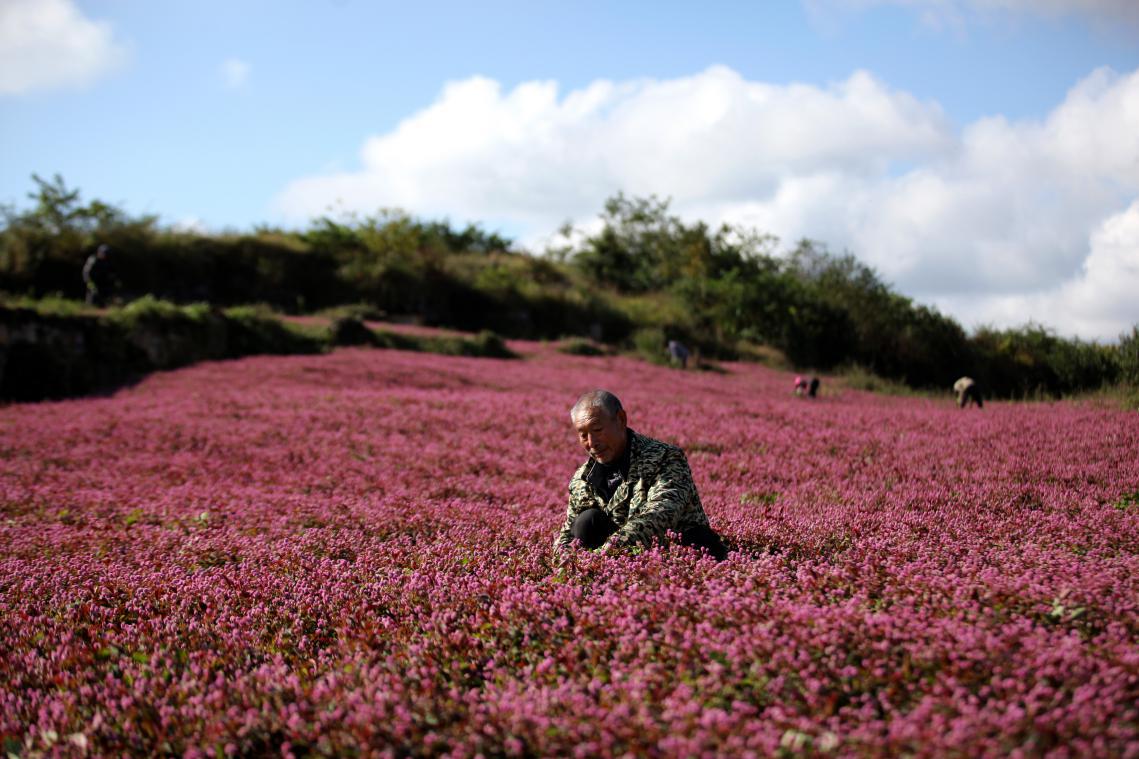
{"x": 601, "y": 425}
{"x": 596, "y": 400}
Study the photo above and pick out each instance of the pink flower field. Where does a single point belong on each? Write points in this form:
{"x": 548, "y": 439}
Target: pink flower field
{"x": 350, "y": 554}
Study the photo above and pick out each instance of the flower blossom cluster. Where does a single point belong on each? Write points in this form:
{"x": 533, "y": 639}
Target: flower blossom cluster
{"x": 351, "y": 554}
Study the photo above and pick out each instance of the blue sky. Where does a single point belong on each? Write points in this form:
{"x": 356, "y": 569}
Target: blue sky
{"x": 982, "y": 154}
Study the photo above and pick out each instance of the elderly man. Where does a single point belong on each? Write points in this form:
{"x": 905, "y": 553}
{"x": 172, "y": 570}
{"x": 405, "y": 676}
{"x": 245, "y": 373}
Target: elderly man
{"x": 632, "y": 489}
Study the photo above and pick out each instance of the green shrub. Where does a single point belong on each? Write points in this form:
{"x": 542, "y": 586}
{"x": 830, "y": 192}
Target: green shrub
{"x": 859, "y": 378}
{"x": 581, "y": 346}
{"x": 485, "y": 344}
{"x": 251, "y": 311}
{"x": 762, "y": 354}
{"x": 250, "y": 333}
{"x": 383, "y": 338}
{"x": 1129, "y": 357}
{"x": 49, "y": 305}
{"x": 491, "y": 345}
{"x": 362, "y": 311}
{"x": 349, "y": 330}
{"x": 147, "y": 308}
{"x": 649, "y": 343}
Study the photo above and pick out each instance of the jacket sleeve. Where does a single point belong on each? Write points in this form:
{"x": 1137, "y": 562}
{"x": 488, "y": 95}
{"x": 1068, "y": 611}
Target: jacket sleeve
{"x": 666, "y": 503}
{"x": 579, "y": 501}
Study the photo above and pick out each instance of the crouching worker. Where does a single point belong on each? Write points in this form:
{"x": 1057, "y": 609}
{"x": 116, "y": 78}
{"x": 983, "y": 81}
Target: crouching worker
{"x": 632, "y": 490}
{"x": 967, "y": 392}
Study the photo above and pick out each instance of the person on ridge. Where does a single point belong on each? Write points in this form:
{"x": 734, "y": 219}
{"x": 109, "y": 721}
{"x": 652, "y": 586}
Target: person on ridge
{"x": 632, "y": 490}
{"x": 97, "y": 276}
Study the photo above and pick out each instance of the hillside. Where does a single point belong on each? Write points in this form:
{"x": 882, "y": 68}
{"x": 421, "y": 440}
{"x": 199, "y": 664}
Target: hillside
{"x": 645, "y": 278}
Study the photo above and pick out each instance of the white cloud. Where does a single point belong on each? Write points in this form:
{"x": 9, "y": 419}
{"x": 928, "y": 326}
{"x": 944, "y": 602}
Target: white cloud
{"x": 235, "y": 73}
{"x": 1100, "y": 302}
{"x": 999, "y": 212}
{"x": 479, "y": 152}
{"x": 1012, "y": 210}
{"x": 47, "y": 44}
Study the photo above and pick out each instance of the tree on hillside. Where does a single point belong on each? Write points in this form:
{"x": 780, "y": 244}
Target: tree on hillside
{"x": 1032, "y": 360}
{"x": 1129, "y": 356}
{"x": 891, "y": 335}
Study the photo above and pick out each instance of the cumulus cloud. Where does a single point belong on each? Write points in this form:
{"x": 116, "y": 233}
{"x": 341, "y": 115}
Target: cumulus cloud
{"x": 998, "y": 222}
{"x": 480, "y": 152}
{"x": 235, "y": 73}
{"x": 1099, "y": 302}
{"x": 47, "y": 44}
{"x": 1012, "y": 210}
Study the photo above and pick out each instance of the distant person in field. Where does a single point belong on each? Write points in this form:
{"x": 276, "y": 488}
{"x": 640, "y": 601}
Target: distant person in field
{"x": 678, "y": 353}
{"x": 803, "y": 385}
{"x": 632, "y": 490}
{"x": 967, "y": 392}
{"x": 97, "y": 276}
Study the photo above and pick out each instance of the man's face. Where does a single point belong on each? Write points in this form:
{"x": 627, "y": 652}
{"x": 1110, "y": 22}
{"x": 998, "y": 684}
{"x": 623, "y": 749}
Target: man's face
{"x": 601, "y": 435}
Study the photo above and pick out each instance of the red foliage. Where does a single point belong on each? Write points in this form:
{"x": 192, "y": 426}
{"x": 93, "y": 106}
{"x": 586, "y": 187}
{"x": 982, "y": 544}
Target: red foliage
{"x": 352, "y": 552}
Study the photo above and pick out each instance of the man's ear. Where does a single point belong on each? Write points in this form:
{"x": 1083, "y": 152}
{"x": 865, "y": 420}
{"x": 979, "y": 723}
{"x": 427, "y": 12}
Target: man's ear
{"x": 623, "y": 417}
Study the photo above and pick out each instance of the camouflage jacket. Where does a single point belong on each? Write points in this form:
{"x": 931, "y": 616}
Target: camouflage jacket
{"x": 657, "y": 496}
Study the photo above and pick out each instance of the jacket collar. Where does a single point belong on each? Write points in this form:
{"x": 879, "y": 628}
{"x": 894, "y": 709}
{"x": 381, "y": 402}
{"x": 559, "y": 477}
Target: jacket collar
{"x": 590, "y": 470}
